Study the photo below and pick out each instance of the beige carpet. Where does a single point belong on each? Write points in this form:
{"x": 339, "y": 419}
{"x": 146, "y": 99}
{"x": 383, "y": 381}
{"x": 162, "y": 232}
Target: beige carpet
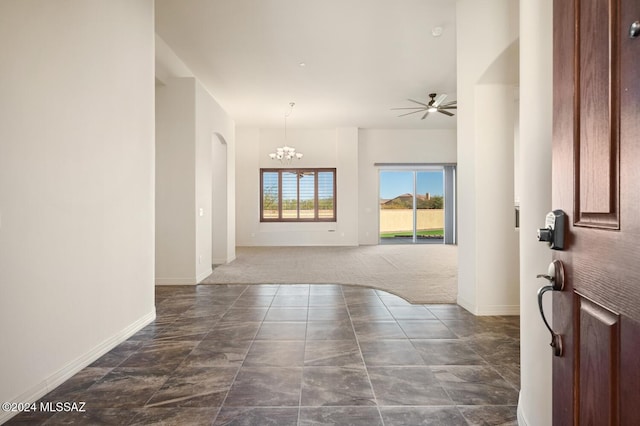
{"x": 422, "y": 273}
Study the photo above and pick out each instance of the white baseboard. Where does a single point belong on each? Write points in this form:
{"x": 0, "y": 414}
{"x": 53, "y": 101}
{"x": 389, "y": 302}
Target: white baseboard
{"x": 56, "y": 379}
{"x": 204, "y": 275}
{"x": 471, "y": 307}
{"x": 219, "y": 260}
{"x": 176, "y": 281}
{"x": 499, "y": 310}
{"x": 184, "y": 281}
{"x": 489, "y": 309}
{"x": 521, "y": 420}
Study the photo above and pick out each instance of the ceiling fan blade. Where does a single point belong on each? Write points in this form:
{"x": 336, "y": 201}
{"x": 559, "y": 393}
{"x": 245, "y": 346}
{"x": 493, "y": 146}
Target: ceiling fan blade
{"x": 449, "y": 107}
{"x": 425, "y": 115}
{"x": 450, "y": 103}
{"x": 445, "y": 112}
{"x": 409, "y": 113}
{"x": 439, "y": 99}
{"x": 421, "y": 103}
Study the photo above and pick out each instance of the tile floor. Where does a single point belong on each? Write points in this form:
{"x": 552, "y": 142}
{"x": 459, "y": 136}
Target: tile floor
{"x": 300, "y": 355}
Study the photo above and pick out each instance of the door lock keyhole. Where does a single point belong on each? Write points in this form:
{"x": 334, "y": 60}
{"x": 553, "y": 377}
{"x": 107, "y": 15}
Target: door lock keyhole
{"x": 634, "y": 30}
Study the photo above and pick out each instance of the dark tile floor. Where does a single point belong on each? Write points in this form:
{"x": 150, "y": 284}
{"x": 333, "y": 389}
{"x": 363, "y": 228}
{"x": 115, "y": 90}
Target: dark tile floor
{"x": 300, "y": 355}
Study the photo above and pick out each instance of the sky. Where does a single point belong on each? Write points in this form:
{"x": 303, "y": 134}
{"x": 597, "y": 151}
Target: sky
{"x": 393, "y": 184}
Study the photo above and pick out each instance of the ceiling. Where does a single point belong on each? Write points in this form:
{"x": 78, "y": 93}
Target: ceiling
{"x": 362, "y": 57}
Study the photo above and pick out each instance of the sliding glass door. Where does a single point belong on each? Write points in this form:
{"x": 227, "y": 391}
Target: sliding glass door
{"x": 412, "y": 206}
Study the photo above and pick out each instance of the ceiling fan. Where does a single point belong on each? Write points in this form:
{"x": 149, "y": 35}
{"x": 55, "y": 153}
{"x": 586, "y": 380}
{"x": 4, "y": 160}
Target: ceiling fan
{"x": 434, "y": 105}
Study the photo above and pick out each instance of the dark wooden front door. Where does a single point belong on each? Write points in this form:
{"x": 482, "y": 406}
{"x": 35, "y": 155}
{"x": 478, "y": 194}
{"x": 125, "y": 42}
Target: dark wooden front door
{"x": 596, "y": 181}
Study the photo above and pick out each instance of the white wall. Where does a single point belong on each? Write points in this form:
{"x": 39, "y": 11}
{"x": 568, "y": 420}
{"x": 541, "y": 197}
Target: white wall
{"x": 220, "y": 195}
{"x": 536, "y": 93}
{"x": 231, "y": 195}
{"x": 353, "y": 152}
{"x": 487, "y": 60}
{"x": 175, "y": 182}
{"x": 497, "y": 269}
{"x": 204, "y": 112}
{"x": 214, "y": 143}
{"x": 189, "y": 202}
{"x": 168, "y": 64}
{"x": 394, "y": 146}
{"x": 347, "y": 176}
{"x": 321, "y": 148}
{"x": 76, "y": 186}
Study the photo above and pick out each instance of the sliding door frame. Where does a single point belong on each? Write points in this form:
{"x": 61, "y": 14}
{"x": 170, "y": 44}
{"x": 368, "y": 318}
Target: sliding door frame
{"x": 449, "y": 193}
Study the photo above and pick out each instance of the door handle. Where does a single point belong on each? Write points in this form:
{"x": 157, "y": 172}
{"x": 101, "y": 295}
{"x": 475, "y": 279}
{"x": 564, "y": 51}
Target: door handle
{"x": 555, "y": 276}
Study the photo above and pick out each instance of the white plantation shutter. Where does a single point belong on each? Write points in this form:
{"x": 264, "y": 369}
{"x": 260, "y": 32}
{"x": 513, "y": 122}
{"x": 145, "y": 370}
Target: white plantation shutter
{"x": 326, "y": 197}
{"x": 270, "y": 195}
{"x": 304, "y": 195}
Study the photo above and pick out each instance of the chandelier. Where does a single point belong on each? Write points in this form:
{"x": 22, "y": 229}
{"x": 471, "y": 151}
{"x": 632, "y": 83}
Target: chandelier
{"x": 286, "y": 153}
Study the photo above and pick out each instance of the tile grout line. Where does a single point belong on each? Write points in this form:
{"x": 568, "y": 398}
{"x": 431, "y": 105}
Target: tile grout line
{"x": 182, "y": 362}
{"x": 366, "y": 369}
{"x": 177, "y": 317}
{"x": 245, "y": 356}
{"x": 304, "y": 352}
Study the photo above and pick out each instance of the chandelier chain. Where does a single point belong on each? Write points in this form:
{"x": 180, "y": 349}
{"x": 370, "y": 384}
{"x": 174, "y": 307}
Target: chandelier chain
{"x": 286, "y": 153}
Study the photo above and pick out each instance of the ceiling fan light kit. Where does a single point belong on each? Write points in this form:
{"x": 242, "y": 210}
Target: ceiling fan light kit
{"x": 433, "y": 105}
